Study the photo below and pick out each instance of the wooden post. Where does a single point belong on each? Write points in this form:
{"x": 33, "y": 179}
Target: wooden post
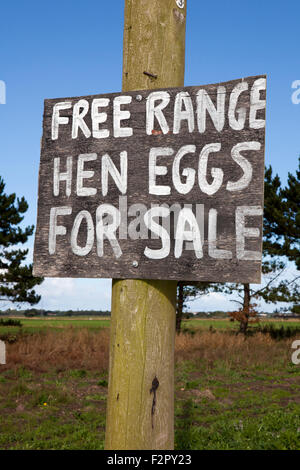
{"x": 140, "y": 412}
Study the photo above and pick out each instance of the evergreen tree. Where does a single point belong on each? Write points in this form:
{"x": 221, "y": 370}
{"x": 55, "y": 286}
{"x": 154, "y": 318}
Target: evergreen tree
{"x": 16, "y": 279}
{"x": 282, "y": 216}
{"x": 290, "y": 229}
{"x": 280, "y": 239}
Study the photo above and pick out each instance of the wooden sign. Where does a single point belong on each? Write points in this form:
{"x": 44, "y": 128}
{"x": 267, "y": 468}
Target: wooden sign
{"x": 164, "y": 184}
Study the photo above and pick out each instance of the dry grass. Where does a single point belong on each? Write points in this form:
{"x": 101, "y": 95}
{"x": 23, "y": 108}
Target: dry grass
{"x": 232, "y": 349}
{"x": 70, "y": 349}
{"x": 81, "y": 348}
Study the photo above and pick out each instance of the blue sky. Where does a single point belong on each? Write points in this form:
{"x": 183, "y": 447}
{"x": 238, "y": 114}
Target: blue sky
{"x": 71, "y": 48}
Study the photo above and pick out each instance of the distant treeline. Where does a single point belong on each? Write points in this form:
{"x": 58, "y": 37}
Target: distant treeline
{"x": 36, "y": 312}
{"x": 215, "y": 314}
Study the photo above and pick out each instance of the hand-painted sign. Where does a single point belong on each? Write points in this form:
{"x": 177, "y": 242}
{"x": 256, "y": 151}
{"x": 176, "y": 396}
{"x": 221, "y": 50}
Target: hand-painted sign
{"x": 164, "y": 184}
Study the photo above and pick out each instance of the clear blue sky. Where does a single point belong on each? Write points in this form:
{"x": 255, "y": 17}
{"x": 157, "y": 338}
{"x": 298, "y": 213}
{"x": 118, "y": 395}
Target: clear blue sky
{"x": 64, "y": 48}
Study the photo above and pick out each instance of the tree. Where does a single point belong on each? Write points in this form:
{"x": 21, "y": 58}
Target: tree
{"x": 16, "y": 279}
{"x": 280, "y": 239}
{"x": 290, "y": 230}
{"x": 273, "y": 289}
{"x": 282, "y": 227}
{"x": 282, "y": 216}
{"x": 296, "y": 309}
{"x": 187, "y": 293}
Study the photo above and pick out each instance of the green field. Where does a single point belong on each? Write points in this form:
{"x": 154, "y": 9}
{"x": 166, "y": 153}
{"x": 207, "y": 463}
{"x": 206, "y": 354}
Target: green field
{"x": 226, "y": 323}
{"x": 32, "y": 325}
{"x": 230, "y": 392}
{"x": 35, "y": 325}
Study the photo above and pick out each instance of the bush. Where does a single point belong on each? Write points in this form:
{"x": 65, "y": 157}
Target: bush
{"x": 279, "y": 333}
{"x": 296, "y": 309}
{"x": 10, "y": 322}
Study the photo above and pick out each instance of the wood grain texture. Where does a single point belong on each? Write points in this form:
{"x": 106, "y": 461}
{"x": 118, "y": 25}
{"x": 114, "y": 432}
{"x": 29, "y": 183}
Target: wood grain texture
{"x": 154, "y": 42}
{"x": 143, "y": 312}
{"x": 142, "y": 348}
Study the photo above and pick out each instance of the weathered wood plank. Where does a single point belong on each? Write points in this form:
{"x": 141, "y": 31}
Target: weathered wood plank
{"x": 78, "y": 253}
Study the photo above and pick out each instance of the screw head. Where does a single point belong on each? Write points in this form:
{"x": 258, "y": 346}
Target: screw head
{"x": 135, "y": 264}
{"x": 139, "y": 97}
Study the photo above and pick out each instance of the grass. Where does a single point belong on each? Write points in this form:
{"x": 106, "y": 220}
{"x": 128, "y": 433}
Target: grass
{"x": 230, "y": 393}
{"x": 225, "y": 323}
{"x": 245, "y": 396}
{"x": 71, "y": 349}
{"x": 35, "y": 325}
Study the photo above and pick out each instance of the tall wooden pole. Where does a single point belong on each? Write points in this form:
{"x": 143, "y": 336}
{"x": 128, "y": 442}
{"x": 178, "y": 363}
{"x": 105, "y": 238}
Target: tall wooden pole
{"x": 140, "y": 412}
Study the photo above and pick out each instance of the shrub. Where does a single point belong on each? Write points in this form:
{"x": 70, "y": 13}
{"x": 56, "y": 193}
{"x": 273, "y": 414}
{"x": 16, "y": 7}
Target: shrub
{"x": 10, "y": 322}
{"x": 279, "y": 333}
